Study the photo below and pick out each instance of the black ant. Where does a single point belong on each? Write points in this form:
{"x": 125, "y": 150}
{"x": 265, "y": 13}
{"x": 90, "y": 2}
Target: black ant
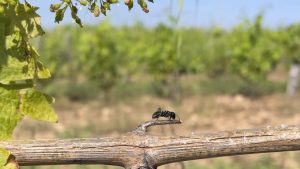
{"x": 164, "y": 113}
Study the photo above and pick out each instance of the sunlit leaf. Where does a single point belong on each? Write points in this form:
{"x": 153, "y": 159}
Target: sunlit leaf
{"x": 55, "y": 7}
{"x": 11, "y": 166}
{"x": 20, "y": 64}
{"x": 36, "y": 105}
{"x": 18, "y": 59}
{"x": 6, "y": 162}
{"x": 9, "y": 116}
{"x": 106, "y": 5}
{"x": 83, "y": 2}
{"x": 113, "y": 1}
{"x": 95, "y": 9}
{"x": 103, "y": 10}
{"x": 4, "y": 154}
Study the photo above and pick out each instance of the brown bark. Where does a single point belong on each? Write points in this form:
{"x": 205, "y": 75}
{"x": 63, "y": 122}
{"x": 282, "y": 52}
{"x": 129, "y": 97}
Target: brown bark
{"x": 140, "y": 150}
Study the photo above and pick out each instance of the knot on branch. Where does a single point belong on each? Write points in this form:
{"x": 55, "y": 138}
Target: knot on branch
{"x": 143, "y": 128}
{"x": 145, "y": 162}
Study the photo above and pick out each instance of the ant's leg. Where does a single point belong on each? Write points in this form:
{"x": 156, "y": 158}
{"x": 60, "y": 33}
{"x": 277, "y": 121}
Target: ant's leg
{"x": 178, "y": 117}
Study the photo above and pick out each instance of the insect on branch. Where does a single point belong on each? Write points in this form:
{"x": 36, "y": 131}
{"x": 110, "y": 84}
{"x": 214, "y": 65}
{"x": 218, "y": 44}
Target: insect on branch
{"x": 171, "y": 116}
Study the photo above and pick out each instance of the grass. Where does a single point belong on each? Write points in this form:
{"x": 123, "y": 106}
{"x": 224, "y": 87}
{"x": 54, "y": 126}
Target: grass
{"x": 186, "y": 86}
{"x": 234, "y": 86}
{"x": 264, "y": 162}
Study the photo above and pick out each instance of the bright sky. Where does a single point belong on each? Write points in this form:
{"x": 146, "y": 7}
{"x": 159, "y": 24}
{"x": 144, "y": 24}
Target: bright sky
{"x": 224, "y": 13}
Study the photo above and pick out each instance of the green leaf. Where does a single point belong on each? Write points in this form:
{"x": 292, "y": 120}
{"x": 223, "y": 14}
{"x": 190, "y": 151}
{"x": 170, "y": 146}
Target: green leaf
{"x": 37, "y": 66}
{"x": 10, "y": 166}
{"x": 143, "y": 5}
{"x": 106, "y": 5}
{"x": 17, "y": 64}
{"x": 12, "y": 2}
{"x": 74, "y": 11}
{"x": 4, "y": 154}
{"x": 113, "y": 1}
{"x": 2, "y": 8}
{"x": 32, "y": 103}
{"x": 5, "y": 161}
{"x": 95, "y": 9}
{"x": 36, "y": 105}
{"x": 67, "y": 1}
{"x": 55, "y": 7}
{"x": 103, "y": 10}
{"x": 83, "y": 2}
{"x": 129, "y": 3}
{"x": 77, "y": 20}
{"x": 9, "y": 116}
{"x": 18, "y": 59}
{"x": 43, "y": 72}
{"x": 59, "y": 16}
{"x": 3, "y": 2}
{"x": 27, "y": 22}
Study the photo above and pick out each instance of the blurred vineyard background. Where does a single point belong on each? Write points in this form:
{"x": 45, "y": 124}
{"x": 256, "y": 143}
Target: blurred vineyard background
{"x": 108, "y": 79}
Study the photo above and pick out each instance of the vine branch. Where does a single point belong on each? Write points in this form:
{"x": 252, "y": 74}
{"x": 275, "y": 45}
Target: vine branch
{"x": 134, "y": 150}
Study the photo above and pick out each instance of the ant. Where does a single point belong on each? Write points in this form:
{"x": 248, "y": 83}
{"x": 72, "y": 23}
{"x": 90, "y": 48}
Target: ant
{"x": 164, "y": 113}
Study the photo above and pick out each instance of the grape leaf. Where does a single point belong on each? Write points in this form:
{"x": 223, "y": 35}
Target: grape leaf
{"x": 4, "y": 154}
{"x": 9, "y": 116}
{"x": 36, "y": 105}
{"x": 15, "y": 103}
{"x": 25, "y": 20}
{"x": 40, "y": 70}
{"x": 10, "y": 166}
{"x": 18, "y": 59}
{"x": 19, "y": 65}
{"x": 16, "y": 66}
{"x": 6, "y": 162}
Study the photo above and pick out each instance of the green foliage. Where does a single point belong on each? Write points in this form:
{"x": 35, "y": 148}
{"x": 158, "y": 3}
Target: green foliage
{"x": 9, "y": 115}
{"x": 216, "y": 52}
{"x": 263, "y": 162}
{"x": 291, "y": 39}
{"x": 36, "y": 105}
{"x": 94, "y": 6}
{"x": 16, "y": 102}
{"x": 115, "y": 56}
{"x": 105, "y": 57}
{"x": 232, "y": 86}
{"x": 19, "y": 68}
{"x": 19, "y": 60}
{"x": 254, "y": 53}
{"x": 4, "y": 154}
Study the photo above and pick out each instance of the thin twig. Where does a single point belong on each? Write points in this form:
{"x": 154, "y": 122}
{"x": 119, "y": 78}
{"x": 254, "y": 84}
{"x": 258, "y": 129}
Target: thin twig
{"x": 142, "y": 129}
